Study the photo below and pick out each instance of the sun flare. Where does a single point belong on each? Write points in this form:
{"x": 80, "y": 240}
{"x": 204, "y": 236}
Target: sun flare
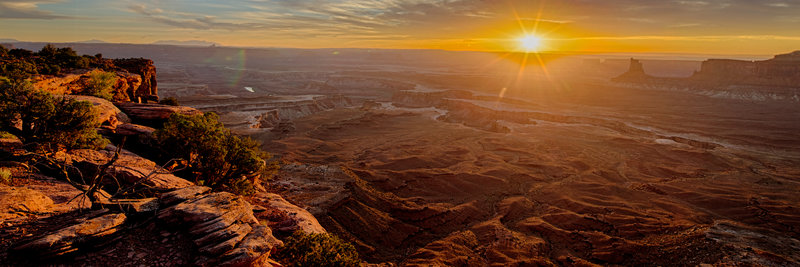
{"x": 530, "y": 43}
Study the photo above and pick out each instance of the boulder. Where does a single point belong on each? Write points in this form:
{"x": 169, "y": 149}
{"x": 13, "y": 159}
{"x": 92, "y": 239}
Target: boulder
{"x": 62, "y": 193}
{"x": 69, "y": 239}
{"x": 254, "y": 250}
{"x": 108, "y": 115}
{"x": 19, "y": 201}
{"x": 10, "y": 144}
{"x": 129, "y": 129}
{"x": 129, "y": 169}
{"x": 154, "y": 112}
{"x": 296, "y": 218}
{"x": 222, "y": 225}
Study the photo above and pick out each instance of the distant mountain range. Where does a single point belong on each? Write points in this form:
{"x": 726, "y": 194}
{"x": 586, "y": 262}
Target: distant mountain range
{"x": 159, "y": 42}
{"x": 93, "y": 41}
{"x": 186, "y": 43}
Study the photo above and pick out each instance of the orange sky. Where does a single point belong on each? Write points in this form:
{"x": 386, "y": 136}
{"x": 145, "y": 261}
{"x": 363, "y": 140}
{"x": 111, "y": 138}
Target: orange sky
{"x": 664, "y": 26}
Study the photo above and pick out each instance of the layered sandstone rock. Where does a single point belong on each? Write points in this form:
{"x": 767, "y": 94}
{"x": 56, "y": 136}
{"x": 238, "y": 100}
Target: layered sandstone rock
{"x": 64, "y": 84}
{"x": 293, "y": 218}
{"x": 127, "y": 85}
{"x": 222, "y": 226}
{"x": 20, "y": 201}
{"x": 130, "y": 129}
{"x": 780, "y": 71}
{"x": 148, "y": 90}
{"x": 129, "y": 169}
{"x": 69, "y": 239}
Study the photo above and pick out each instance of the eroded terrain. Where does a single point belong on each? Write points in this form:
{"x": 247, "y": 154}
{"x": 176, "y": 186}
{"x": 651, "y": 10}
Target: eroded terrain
{"x": 623, "y": 177}
{"x": 439, "y": 158}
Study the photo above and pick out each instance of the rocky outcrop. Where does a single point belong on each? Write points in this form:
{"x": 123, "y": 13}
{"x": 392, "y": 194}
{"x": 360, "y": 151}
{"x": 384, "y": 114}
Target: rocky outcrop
{"x": 64, "y": 84}
{"x": 69, "y": 239}
{"x": 267, "y": 119}
{"x": 135, "y": 80}
{"x": 154, "y": 113}
{"x": 222, "y": 226}
{"x": 10, "y": 144}
{"x": 130, "y": 129}
{"x": 635, "y": 73}
{"x": 148, "y": 90}
{"x": 774, "y": 79}
{"x": 286, "y": 216}
{"x": 19, "y": 201}
{"x": 127, "y": 86}
{"x": 129, "y": 169}
{"x": 782, "y": 70}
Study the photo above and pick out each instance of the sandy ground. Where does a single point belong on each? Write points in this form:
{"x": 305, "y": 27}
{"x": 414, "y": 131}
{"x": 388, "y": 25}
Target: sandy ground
{"x": 639, "y": 177}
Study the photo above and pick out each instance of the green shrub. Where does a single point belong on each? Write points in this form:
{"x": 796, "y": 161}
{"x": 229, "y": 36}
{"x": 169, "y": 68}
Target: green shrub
{"x": 5, "y": 176}
{"x": 100, "y": 84}
{"x": 169, "y": 101}
{"x": 303, "y": 249}
{"x": 216, "y": 157}
{"x": 44, "y": 121}
{"x": 7, "y": 135}
{"x": 20, "y": 53}
{"x": 18, "y": 70}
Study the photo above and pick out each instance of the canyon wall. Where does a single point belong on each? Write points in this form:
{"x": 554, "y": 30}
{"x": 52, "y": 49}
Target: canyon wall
{"x": 780, "y": 71}
{"x": 774, "y": 79}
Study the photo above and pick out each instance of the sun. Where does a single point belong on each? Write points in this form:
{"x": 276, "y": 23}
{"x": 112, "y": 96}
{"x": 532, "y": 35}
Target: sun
{"x": 530, "y": 43}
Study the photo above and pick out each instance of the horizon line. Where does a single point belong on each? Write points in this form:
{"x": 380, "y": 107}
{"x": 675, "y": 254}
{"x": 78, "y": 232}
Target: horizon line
{"x": 575, "y": 53}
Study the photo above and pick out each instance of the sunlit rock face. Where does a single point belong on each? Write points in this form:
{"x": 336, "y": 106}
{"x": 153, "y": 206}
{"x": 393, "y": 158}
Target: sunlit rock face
{"x": 135, "y": 81}
{"x": 782, "y": 70}
{"x": 148, "y": 90}
{"x": 776, "y": 79}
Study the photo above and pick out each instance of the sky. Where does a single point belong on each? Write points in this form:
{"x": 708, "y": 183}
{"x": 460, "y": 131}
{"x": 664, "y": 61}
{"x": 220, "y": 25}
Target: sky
{"x": 651, "y": 26}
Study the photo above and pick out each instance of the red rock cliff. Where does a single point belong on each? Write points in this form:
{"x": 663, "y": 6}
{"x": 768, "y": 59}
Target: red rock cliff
{"x": 148, "y": 90}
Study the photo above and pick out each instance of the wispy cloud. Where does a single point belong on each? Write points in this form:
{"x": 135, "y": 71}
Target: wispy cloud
{"x": 26, "y": 9}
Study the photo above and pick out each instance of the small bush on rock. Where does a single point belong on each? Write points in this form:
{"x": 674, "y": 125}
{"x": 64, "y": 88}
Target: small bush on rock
{"x": 47, "y": 122}
{"x": 169, "y": 101}
{"x": 5, "y": 176}
{"x": 100, "y": 84}
{"x": 302, "y": 249}
{"x": 215, "y": 157}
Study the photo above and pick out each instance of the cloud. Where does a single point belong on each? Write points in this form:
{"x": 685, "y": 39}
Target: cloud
{"x": 22, "y": 9}
{"x": 425, "y": 19}
{"x": 196, "y": 21}
{"x": 778, "y": 5}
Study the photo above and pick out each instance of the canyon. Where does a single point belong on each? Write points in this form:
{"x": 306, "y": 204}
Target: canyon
{"x": 444, "y": 158}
